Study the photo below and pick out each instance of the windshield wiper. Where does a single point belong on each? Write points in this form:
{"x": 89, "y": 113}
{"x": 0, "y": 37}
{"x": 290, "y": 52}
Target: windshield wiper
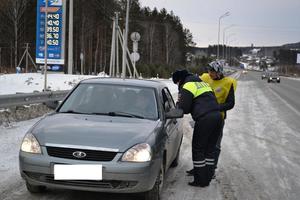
{"x": 120, "y": 114}
{"x": 125, "y": 114}
{"x": 72, "y": 111}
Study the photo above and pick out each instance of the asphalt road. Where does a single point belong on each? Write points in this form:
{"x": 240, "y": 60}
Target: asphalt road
{"x": 260, "y": 156}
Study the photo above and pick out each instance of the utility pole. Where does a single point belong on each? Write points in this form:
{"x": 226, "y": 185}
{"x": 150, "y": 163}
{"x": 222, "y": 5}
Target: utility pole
{"x": 70, "y": 48}
{"x": 46, "y": 45}
{"x": 125, "y": 37}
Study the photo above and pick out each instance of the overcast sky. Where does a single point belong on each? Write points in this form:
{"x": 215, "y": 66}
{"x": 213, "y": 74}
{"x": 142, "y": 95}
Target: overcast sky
{"x": 261, "y": 22}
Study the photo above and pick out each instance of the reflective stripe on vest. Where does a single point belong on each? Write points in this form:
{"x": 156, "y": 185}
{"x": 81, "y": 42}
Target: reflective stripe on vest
{"x": 197, "y": 88}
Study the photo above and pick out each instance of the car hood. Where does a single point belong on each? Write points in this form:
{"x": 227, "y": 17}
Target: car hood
{"x": 94, "y": 131}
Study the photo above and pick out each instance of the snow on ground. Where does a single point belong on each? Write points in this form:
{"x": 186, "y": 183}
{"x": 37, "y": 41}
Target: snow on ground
{"x": 30, "y": 82}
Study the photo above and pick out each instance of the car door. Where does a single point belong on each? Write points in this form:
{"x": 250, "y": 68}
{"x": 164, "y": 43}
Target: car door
{"x": 171, "y": 128}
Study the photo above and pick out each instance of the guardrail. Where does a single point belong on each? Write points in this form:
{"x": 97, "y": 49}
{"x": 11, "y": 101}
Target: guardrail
{"x": 10, "y": 100}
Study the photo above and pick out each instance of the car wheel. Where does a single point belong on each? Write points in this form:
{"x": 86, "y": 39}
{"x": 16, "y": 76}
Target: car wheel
{"x": 154, "y": 193}
{"x": 278, "y": 81}
{"x": 269, "y": 81}
{"x": 35, "y": 188}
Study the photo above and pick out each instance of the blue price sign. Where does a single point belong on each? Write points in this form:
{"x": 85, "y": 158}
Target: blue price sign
{"x": 54, "y": 32}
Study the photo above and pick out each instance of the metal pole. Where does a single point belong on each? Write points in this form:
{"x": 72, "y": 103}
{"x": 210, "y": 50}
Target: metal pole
{"x": 46, "y": 46}
{"x": 125, "y": 42}
{"x": 70, "y": 50}
{"x": 218, "y": 48}
{"x": 224, "y": 30}
{"x": 27, "y": 53}
{"x": 117, "y": 44}
{"x": 0, "y": 57}
{"x": 218, "y": 54}
{"x": 112, "y": 53}
{"x": 63, "y": 41}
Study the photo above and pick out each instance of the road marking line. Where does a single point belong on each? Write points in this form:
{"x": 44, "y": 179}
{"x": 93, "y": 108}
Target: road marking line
{"x": 284, "y": 101}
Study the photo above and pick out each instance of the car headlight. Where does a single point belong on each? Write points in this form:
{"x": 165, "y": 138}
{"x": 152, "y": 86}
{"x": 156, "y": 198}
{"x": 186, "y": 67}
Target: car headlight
{"x": 138, "y": 153}
{"x": 30, "y": 144}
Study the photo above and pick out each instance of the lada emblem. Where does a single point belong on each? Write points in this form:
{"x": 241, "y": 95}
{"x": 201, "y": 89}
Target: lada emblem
{"x": 79, "y": 154}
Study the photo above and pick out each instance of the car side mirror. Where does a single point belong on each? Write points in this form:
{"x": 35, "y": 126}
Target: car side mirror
{"x": 52, "y": 104}
{"x": 174, "y": 113}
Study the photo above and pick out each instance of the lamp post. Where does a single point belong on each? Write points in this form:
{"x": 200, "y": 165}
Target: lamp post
{"x": 224, "y": 31}
{"x": 218, "y": 48}
{"x": 230, "y": 35}
{"x": 229, "y": 54}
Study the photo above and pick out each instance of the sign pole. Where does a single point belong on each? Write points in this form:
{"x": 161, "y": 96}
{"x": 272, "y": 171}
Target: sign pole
{"x": 46, "y": 46}
{"x": 70, "y": 50}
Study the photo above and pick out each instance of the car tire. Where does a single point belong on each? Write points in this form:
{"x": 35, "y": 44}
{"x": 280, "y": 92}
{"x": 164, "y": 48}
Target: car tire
{"x": 35, "y": 188}
{"x": 269, "y": 81}
{"x": 278, "y": 81}
{"x": 154, "y": 193}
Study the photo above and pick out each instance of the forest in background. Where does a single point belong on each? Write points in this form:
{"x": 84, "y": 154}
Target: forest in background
{"x": 163, "y": 46}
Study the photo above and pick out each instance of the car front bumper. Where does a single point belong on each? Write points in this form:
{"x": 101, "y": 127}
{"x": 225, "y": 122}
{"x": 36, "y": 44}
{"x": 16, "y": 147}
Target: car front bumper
{"x": 118, "y": 177}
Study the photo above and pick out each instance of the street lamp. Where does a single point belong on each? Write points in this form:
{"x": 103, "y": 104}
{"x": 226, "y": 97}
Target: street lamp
{"x": 224, "y": 30}
{"x": 230, "y": 35}
{"x": 218, "y": 48}
{"x": 229, "y": 54}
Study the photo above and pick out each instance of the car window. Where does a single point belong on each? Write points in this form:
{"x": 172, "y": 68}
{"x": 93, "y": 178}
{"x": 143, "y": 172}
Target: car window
{"x": 99, "y": 98}
{"x": 167, "y": 99}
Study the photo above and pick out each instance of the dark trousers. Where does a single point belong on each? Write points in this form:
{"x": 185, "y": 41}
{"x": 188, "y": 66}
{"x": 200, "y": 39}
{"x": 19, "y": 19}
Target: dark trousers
{"x": 205, "y": 136}
{"x": 218, "y": 145}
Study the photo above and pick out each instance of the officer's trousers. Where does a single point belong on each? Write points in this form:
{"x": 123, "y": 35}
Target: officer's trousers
{"x": 205, "y": 136}
{"x": 218, "y": 145}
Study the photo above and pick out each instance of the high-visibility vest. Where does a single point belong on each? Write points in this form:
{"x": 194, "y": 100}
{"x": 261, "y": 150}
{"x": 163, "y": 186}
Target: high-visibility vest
{"x": 197, "y": 88}
{"x": 220, "y": 87}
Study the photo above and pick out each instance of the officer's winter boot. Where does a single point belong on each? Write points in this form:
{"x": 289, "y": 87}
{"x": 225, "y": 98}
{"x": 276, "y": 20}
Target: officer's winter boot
{"x": 200, "y": 177}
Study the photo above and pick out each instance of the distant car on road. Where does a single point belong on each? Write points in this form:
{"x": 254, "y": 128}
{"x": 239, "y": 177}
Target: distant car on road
{"x": 108, "y": 135}
{"x": 273, "y": 77}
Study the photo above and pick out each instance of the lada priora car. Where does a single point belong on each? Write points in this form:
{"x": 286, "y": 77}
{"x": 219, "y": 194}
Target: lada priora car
{"x": 108, "y": 135}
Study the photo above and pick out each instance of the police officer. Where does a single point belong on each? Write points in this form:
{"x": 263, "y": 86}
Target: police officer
{"x": 224, "y": 89}
{"x": 196, "y": 97}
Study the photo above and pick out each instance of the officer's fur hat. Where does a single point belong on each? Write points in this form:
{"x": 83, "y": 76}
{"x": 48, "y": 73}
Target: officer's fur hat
{"x": 179, "y": 75}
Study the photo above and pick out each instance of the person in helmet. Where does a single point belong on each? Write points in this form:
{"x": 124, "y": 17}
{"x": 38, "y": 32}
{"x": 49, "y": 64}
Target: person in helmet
{"x": 197, "y": 98}
{"x": 224, "y": 89}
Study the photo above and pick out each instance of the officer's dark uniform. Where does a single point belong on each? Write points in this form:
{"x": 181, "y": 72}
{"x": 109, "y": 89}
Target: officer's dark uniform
{"x": 197, "y": 98}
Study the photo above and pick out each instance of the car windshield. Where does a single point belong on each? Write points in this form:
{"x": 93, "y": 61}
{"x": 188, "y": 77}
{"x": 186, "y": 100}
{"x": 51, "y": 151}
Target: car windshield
{"x": 113, "y": 100}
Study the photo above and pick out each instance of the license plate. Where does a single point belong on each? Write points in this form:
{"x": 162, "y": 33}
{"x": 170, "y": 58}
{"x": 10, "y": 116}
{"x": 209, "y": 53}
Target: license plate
{"x": 77, "y": 172}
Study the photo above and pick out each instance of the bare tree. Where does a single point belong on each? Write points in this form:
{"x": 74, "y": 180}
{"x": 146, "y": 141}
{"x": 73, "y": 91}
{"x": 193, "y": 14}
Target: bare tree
{"x": 13, "y": 11}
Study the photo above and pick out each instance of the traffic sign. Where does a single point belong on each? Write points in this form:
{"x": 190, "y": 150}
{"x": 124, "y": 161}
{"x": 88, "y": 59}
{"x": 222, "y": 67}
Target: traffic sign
{"x": 135, "y": 57}
{"x": 135, "y": 36}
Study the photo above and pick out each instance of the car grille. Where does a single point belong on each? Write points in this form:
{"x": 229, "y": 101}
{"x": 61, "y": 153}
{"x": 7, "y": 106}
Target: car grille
{"x": 91, "y": 155}
{"x": 105, "y": 184}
